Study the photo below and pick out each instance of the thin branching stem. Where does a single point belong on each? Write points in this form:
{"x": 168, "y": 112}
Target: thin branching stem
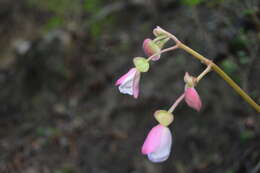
{"x": 162, "y": 51}
{"x": 206, "y": 71}
{"x": 216, "y": 68}
{"x": 176, "y": 103}
{"x": 223, "y": 75}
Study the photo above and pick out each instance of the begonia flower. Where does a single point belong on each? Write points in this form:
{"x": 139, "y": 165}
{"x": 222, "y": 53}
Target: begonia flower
{"x": 157, "y": 145}
{"x": 129, "y": 82}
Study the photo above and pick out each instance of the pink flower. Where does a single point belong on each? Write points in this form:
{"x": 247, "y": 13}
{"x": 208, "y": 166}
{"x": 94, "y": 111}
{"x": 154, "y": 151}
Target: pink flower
{"x": 151, "y": 48}
{"x": 129, "y": 82}
{"x": 157, "y": 145}
{"x": 192, "y": 98}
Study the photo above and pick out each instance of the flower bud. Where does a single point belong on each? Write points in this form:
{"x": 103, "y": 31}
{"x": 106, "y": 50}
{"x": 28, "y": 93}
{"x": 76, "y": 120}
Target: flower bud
{"x": 158, "y": 31}
{"x": 192, "y": 98}
{"x": 141, "y": 64}
{"x": 162, "y": 42}
{"x": 151, "y": 48}
{"x": 165, "y": 118}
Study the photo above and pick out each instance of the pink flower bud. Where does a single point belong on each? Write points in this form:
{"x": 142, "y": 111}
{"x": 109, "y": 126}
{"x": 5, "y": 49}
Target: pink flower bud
{"x": 157, "y": 145}
{"x": 151, "y": 48}
{"x": 192, "y": 98}
{"x": 129, "y": 82}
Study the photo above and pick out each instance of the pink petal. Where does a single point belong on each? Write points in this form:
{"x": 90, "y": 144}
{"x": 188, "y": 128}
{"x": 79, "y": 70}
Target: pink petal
{"x": 136, "y": 84}
{"x": 152, "y": 141}
{"x": 162, "y": 152}
{"x": 192, "y": 98}
{"x": 122, "y": 78}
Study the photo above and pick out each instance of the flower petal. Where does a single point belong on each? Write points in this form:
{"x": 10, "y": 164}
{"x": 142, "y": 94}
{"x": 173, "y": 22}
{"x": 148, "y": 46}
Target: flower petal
{"x": 126, "y": 86}
{"x": 152, "y": 140}
{"x": 163, "y": 151}
{"x": 136, "y": 84}
{"x": 130, "y": 73}
{"x": 192, "y": 98}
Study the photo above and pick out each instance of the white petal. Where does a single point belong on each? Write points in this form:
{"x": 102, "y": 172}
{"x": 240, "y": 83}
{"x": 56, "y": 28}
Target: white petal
{"x": 127, "y": 85}
{"x": 164, "y": 150}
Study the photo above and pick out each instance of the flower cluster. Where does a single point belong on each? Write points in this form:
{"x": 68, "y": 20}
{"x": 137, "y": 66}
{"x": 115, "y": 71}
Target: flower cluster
{"x": 157, "y": 145}
{"x": 129, "y": 83}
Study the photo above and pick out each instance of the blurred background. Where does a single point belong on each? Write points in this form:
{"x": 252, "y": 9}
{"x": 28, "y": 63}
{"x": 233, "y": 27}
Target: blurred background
{"x": 61, "y": 113}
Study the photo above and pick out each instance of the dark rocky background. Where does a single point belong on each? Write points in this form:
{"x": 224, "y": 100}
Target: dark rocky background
{"x": 61, "y": 113}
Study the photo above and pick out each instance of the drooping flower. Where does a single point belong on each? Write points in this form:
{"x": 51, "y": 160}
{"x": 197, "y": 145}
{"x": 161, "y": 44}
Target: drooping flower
{"x": 157, "y": 145}
{"x": 192, "y": 98}
{"x": 129, "y": 82}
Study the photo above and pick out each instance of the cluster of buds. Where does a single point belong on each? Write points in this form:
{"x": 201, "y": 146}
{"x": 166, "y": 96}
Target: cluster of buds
{"x": 157, "y": 145}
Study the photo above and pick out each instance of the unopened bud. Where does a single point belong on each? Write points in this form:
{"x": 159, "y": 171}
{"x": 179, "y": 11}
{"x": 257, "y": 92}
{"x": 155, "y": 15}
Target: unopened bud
{"x": 192, "y": 98}
{"x": 164, "y": 117}
{"x": 141, "y": 64}
{"x": 150, "y": 48}
{"x": 162, "y": 42}
{"x": 158, "y": 31}
{"x": 189, "y": 80}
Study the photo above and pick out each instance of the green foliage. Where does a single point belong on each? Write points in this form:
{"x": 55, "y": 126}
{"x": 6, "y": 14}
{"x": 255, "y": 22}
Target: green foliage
{"x": 54, "y": 22}
{"x": 191, "y": 2}
{"x": 248, "y": 12}
{"x": 92, "y": 5}
{"x": 243, "y": 57}
{"x": 229, "y": 66}
{"x": 59, "y": 7}
{"x": 246, "y": 135}
{"x": 97, "y": 27}
{"x": 47, "y": 131}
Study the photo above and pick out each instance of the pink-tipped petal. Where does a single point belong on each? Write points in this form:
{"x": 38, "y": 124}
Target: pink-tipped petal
{"x": 152, "y": 140}
{"x": 192, "y": 98}
{"x": 125, "y": 76}
{"x": 163, "y": 151}
{"x": 151, "y": 48}
{"x": 136, "y": 84}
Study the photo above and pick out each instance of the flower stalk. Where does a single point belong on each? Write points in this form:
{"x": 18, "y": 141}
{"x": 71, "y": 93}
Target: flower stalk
{"x": 163, "y": 51}
{"x": 214, "y": 67}
{"x": 223, "y": 75}
{"x": 206, "y": 71}
{"x": 176, "y": 103}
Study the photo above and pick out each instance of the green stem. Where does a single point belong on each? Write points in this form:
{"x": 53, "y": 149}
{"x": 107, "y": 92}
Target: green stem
{"x": 222, "y": 74}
